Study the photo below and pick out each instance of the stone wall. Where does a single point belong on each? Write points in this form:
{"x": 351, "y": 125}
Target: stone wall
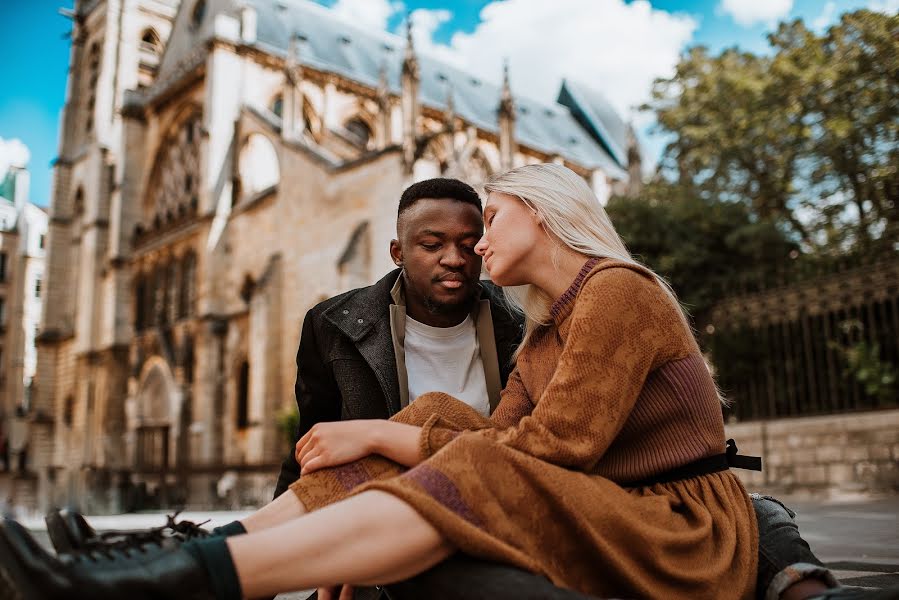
{"x": 823, "y": 456}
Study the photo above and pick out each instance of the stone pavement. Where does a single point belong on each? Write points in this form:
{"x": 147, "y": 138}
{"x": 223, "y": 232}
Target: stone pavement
{"x": 856, "y": 537}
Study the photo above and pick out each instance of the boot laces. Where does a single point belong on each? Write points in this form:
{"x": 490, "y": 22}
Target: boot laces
{"x": 110, "y": 545}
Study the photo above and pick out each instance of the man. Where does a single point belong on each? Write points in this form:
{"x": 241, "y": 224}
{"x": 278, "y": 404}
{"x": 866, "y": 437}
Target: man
{"x": 430, "y": 326}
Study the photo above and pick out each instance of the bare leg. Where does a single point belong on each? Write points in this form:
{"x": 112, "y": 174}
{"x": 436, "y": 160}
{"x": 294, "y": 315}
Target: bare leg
{"x": 369, "y": 539}
{"x": 282, "y": 509}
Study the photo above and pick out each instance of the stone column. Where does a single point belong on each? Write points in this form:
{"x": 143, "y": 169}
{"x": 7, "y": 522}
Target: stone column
{"x": 506, "y": 113}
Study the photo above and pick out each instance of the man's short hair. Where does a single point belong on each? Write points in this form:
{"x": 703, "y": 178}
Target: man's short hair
{"x": 440, "y": 187}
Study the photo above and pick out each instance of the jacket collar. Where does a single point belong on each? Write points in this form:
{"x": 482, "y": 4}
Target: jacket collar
{"x": 374, "y": 319}
{"x": 361, "y": 310}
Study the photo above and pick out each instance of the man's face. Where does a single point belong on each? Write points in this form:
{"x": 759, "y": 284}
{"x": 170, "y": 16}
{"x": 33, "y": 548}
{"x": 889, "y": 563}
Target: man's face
{"x": 436, "y": 249}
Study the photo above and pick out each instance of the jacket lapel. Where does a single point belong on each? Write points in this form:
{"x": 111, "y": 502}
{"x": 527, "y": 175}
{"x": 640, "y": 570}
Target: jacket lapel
{"x": 364, "y": 317}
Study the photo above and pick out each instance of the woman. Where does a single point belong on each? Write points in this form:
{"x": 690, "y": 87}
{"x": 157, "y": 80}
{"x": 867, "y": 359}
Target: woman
{"x": 601, "y": 468}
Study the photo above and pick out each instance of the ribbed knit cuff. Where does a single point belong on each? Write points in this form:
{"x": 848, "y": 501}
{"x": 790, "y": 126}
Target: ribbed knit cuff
{"x": 434, "y": 436}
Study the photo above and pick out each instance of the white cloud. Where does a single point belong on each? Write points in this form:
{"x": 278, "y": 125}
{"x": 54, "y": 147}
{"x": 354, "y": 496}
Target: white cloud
{"x": 615, "y": 47}
{"x": 823, "y": 20}
{"x": 890, "y": 7}
{"x": 425, "y": 23}
{"x": 372, "y": 14}
{"x": 750, "y": 12}
{"x": 13, "y": 153}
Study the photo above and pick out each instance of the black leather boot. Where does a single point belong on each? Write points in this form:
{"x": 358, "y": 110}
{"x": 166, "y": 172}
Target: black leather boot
{"x": 28, "y": 572}
{"x": 70, "y": 532}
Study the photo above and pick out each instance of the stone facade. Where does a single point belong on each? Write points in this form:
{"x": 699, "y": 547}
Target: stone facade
{"x": 221, "y": 170}
{"x": 823, "y": 456}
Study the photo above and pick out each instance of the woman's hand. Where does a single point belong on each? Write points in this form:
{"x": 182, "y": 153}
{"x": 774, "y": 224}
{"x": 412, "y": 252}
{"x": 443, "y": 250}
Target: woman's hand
{"x": 340, "y": 592}
{"x": 334, "y": 444}
{"x": 341, "y": 442}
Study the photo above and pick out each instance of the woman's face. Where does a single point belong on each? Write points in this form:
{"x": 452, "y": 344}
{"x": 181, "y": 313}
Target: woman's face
{"x": 512, "y": 236}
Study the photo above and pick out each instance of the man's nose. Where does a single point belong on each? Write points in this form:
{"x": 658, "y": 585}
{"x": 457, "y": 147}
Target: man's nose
{"x": 453, "y": 257}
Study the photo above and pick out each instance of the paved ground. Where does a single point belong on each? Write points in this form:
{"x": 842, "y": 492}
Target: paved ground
{"x": 857, "y": 538}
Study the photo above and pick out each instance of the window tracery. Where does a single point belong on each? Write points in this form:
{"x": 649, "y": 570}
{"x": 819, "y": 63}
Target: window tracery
{"x": 174, "y": 187}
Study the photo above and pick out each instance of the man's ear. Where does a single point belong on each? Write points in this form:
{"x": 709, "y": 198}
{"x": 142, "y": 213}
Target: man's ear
{"x": 396, "y": 252}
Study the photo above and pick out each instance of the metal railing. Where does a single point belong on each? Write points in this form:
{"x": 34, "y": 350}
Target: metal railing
{"x": 822, "y": 345}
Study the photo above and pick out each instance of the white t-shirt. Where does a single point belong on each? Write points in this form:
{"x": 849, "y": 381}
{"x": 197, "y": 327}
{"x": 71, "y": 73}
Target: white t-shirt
{"x": 446, "y": 359}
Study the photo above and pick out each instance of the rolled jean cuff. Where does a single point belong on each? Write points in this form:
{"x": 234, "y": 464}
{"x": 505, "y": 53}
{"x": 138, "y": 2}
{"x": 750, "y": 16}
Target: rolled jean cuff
{"x": 796, "y": 573}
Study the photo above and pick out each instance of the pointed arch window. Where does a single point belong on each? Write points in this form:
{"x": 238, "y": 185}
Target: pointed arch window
{"x": 277, "y": 105}
{"x": 175, "y": 182}
{"x": 243, "y": 396}
{"x": 149, "y": 51}
{"x": 90, "y": 92}
{"x": 199, "y": 12}
{"x": 187, "y": 285}
{"x": 140, "y": 310}
{"x": 358, "y": 132}
{"x": 149, "y": 41}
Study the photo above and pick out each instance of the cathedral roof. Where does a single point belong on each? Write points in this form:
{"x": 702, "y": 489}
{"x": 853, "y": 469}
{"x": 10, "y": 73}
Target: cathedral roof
{"x": 595, "y": 113}
{"x": 332, "y": 44}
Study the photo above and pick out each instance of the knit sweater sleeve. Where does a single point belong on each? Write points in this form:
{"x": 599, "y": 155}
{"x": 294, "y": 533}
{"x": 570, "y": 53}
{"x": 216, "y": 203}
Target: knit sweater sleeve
{"x": 440, "y": 429}
{"x": 620, "y": 329}
{"x": 514, "y": 402}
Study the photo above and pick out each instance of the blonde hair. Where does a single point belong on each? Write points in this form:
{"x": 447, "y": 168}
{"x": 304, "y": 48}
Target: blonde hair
{"x": 573, "y": 215}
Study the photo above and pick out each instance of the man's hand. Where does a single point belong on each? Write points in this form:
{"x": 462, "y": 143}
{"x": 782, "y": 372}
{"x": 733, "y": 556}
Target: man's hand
{"x": 334, "y": 444}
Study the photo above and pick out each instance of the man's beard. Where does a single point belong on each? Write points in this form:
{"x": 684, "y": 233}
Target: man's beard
{"x": 442, "y": 308}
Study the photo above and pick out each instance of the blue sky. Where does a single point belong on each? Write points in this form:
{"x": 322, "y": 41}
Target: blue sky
{"x": 35, "y": 49}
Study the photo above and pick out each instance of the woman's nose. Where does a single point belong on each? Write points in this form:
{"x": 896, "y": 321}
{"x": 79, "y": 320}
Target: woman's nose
{"x": 481, "y": 247}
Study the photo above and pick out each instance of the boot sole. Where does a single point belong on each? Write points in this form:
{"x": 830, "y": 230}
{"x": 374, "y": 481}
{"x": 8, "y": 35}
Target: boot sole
{"x": 59, "y": 533}
{"x": 14, "y": 584}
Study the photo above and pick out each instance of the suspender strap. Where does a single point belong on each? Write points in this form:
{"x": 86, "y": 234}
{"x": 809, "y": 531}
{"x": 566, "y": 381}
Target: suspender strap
{"x": 705, "y": 466}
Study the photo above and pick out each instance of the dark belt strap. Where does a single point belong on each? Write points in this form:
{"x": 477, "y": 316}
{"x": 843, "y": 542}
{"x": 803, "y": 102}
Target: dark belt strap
{"x": 704, "y": 466}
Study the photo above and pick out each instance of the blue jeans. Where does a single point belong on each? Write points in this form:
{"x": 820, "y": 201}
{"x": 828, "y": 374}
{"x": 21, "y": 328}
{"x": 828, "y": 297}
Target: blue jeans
{"x": 784, "y": 559}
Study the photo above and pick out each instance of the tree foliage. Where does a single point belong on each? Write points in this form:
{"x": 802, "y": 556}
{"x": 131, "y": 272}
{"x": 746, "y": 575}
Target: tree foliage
{"x": 807, "y": 139}
{"x": 706, "y": 247}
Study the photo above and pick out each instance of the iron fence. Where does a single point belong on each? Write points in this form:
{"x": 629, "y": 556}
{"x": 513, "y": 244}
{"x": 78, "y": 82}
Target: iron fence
{"x": 821, "y": 345}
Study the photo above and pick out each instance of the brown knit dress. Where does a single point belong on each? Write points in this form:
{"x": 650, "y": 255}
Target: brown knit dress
{"x": 613, "y": 391}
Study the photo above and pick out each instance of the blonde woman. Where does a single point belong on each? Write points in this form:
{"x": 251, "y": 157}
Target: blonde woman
{"x": 603, "y": 468}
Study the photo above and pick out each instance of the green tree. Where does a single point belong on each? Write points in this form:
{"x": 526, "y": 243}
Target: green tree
{"x": 706, "y": 248}
{"x": 798, "y": 136}
{"x": 847, "y": 81}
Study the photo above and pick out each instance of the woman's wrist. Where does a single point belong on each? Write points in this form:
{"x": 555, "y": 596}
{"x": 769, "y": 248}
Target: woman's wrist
{"x": 377, "y": 436}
